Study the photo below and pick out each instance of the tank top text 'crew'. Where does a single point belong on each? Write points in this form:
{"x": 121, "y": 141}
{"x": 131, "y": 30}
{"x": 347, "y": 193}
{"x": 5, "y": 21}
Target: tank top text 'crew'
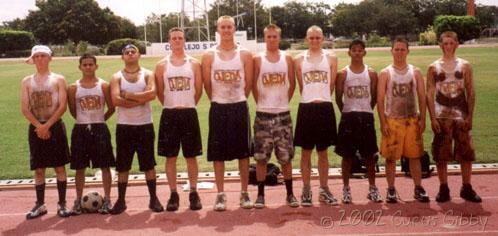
{"x": 43, "y": 97}
{"x": 451, "y": 102}
{"x": 90, "y": 103}
{"x": 401, "y": 94}
{"x": 357, "y": 91}
{"x": 139, "y": 115}
{"x": 273, "y": 85}
{"x": 179, "y": 85}
{"x": 228, "y": 79}
{"x": 316, "y": 80}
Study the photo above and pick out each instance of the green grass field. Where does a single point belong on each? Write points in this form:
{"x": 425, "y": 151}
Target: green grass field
{"x": 14, "y": 152}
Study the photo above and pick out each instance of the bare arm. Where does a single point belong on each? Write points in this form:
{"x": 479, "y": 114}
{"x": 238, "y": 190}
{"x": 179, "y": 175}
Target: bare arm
{"x": 149, "y": 92}
{"x": 116, "y": 98}
{"x": 159, "y": 72}
{"x": 431, "y": 91}
{"x": 381, "y": 92}
{"x": 421, "y": 99}
{"x": 373, "y": 87}
{"x": 248, "y": 71}
{"x": 207, "y": 61}
{"x": 297, "y": 66}
{"x": 257, "y": 67}
{"x": 339, "y": 89}
{"x": 71, "y": 99}
{"x": 471, "y": 95}
{"x": 108, "y": 101}
{"x": 198, "y": 80}
{"x": 333, "y": 71}
{"x": 292, "y": 76}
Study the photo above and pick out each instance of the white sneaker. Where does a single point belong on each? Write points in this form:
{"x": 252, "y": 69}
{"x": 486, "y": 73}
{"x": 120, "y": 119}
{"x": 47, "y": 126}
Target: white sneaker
{"x": 220, "y": 204}
{"x": 245, "y": 202}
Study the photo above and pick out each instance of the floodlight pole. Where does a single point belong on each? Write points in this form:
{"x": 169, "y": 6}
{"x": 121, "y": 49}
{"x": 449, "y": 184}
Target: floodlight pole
{"x": 255, "y": 26}
{"x": 160, "y": 22}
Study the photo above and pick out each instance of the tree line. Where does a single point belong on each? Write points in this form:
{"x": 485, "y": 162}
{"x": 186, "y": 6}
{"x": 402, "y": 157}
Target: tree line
{"x": 57, "y": 21}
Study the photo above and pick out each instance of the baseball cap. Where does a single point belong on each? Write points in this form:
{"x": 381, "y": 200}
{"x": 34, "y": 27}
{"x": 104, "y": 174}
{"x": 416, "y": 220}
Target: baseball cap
{"x": 38, "y": 49}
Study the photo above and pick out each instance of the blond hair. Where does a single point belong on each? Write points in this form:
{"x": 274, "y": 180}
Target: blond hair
{"x": 225, "y": 17}
{"x": 448, "y": 34}
{"x": 272, "y": 27}
{"x": 314, "y": 28}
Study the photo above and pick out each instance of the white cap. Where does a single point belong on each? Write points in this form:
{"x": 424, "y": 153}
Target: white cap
{"x": 38, "y": 49}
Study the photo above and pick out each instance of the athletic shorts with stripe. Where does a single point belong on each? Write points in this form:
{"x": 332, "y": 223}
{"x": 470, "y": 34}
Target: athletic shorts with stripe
{"x": 455, "y": 131}
{"x": 315, "y": 126}
{"x": 356, "y": 133}
{"x": 131, "y": 139}
{"x": 273, "y": 131}
{"x": 229, "y": 135}
{"x": 404, "y": 139}
{"x": 53, "y": 152}
{"x": 91, "y": 146}
{"x": 179, "y": 127}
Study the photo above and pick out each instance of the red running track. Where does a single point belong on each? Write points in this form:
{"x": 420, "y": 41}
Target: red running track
{"x": 362, "y": 217}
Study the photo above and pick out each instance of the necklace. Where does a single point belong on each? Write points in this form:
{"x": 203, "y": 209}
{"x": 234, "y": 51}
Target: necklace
{"x": 131, "y": 72}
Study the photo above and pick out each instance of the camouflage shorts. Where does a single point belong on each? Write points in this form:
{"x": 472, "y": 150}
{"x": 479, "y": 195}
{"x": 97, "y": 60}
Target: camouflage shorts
{"x": 454, "y": 142}
{"x": 273, "y": 131}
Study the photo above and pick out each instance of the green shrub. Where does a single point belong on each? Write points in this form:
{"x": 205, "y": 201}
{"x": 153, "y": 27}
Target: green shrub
{"x": 284, "y": 44}
{"x": 81, "y": 48}
{"x": 374, "y": 40}
{"x": 114, "y": 47}
{"x": 467, "y": 27}
{"x": 16, "y": 53}
{"x": 428, "y": 37}
{"x": 11, "y": 40}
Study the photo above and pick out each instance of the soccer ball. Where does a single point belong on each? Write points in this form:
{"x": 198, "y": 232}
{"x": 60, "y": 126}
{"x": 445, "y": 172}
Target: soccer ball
{"x": 91, "y": 202}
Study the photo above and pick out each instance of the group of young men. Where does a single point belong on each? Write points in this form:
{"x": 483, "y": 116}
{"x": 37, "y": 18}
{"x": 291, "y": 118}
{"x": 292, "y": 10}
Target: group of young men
{"x": 228, "y": 74}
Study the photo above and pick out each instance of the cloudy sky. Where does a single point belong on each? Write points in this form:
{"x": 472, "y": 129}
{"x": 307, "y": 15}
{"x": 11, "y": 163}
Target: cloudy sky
{"x": 136, "y": 10}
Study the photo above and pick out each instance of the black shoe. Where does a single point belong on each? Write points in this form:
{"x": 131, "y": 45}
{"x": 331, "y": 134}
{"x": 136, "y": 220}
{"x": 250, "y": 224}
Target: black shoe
{"x": 119, "y": 207}
{"x": 420, "y": 194}
{"x": 469, "y": 194}
{"x": 173, "y": 202}
{"x": 195, "y": 201}
{"x": 392, "y": 195}
{"x": 444, "y": 193}
{"x": 155, "y": 205}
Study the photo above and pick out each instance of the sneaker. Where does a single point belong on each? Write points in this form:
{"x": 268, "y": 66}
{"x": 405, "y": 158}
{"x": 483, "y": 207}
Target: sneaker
{"x": 327, "y": 197}
{"x": 195, "y": 201}
{"x": 374, "y": 195}
{"x": 392, "y": 195}
{"x": 444, "y": 193}
{"x": 155, "y": 205}
{"x": 62, "y": 210}
{"x": 77, "y": 209}
{"x": 291, "y": 201}
{"x": 173, "y": 202}
{"x": 220, "y": 203}
{"x": 420, "y": 194}
{"x": 245, "y": 202}
{"x": 469, "y": 194}
{"x": 37, "y": 211}
{"x": 260, "y": 202}
{"x": 306, "y": 197}
{"x": 346, "y": 195}
{"x": 106, "y": 207}
{"x": 119, "y": 207}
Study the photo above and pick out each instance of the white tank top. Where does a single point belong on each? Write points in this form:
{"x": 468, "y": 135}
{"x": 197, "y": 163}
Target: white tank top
{"x": 401, "y": 94}
{"x": 90, "y": 103}
{"x": 316, "y": 80}
{"x": 179, "y": 85}
{"x": 43, "y": 97}
{"x": 357, "y": 95}
{"x": 139, "y": 115}
{"x": 450, "y": 84}
{"x": 228, "y": 79}
{"x": 273, "y": 85}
